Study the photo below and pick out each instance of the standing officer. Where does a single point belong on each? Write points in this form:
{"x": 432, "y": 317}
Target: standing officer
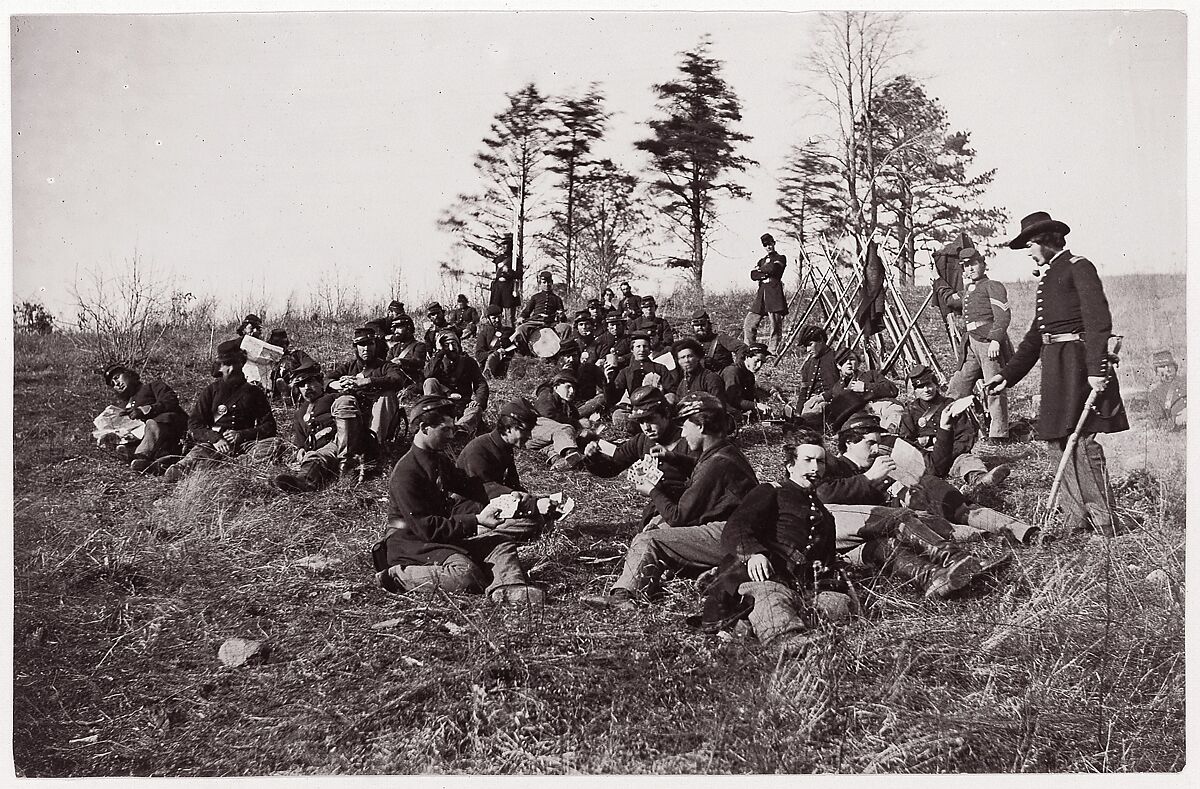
{"x": 769, "y": 300}
{"x": 1070, "y": 335}
{"x": 984, "y": 307}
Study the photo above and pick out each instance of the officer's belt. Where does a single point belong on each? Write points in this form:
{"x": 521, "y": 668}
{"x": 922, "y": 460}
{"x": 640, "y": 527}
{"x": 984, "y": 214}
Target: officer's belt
{"x": 1050, "y": 339}
{"x": 973, "y": 325}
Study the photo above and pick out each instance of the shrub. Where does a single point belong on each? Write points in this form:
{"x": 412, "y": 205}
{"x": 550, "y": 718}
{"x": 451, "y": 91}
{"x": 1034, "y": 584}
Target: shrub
{"x": 32, "y": 318}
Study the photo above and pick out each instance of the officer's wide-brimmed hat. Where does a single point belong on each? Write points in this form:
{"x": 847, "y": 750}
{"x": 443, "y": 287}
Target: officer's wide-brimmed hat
{"x": 230, "y": 352}
{"x": 687, "y": 343}
{"x": 1164, "y": 358}
{"x": 1036, "y": 223}
{"x": 306, "y": 371}
{"x": 844, "y": 405}
{"x": 520, "y": 411}
{"x": 646, "y": 400}
{"x": 428, "y": 403}
{"x": 922, "y": 375}
{"x": 113, "y": 370}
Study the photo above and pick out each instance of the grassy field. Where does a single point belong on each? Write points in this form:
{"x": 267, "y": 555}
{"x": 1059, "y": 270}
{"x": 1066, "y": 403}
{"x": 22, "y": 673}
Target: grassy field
{"x": 1072, "y": 659}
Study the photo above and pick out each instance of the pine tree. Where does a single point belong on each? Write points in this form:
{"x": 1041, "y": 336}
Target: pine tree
{"x": 693, "y": 150}
{"x": 812, "y": 196}
{"x": 579, "y": 121}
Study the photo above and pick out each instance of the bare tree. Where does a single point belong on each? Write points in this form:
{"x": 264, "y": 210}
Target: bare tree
{"x": 123, "y": 313}
{"x": 855, "y": 53}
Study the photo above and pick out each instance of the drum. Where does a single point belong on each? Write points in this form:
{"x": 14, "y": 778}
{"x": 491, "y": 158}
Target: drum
{"x": 544, "y": 343}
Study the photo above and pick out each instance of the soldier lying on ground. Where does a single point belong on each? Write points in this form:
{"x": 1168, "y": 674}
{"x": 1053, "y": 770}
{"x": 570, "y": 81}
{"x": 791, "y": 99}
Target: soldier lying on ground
{"x": 690, "y": 536}
{"x": 590, "y": 397}
{"x": 878, "y": 390}
{"x": 862, "y": 473}
{"x": 231, "y": 417}
{"x": 443, "y": 532}
{"x": 780, "y": 569}
{"x": 154, "y": 404}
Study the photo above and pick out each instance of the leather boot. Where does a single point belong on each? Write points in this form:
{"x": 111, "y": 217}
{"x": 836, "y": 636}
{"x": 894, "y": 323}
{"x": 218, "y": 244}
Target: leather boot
{"x": 312, "y": 476}
{"x": 924, "y": 541}
{"x": 936, "y": 579}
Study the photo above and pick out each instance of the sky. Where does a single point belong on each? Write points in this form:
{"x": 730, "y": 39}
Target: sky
{"x": 273, "y": 153}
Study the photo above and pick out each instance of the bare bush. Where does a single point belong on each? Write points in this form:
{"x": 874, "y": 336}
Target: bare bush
{"x": 123, "y": 314}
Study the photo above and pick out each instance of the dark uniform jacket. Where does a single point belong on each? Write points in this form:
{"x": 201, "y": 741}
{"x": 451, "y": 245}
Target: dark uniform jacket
{"x": 410, "y": 357}
{"x": 432, "y": 333}
{"x": 627, "y": 303}
{"x": 461, "y": 375}
{"x": 607, "y": 343}
{"x": 741, "y": 388}
{"x": 1167, "y": 399}
{"x": 550, "y": 406}
{"x": 231, "y": 404}
{"x": 163, "y": 402}
{"x": 503, "y": 290}
{"x": 719, "y": 350}
{"x": 818, "y": 375}
{"x": 769, "y": 274}
{"x": 431, "y": 523}
{"x": 718, "y": 481}
{"x": 290, "y": 361}
{"x": 384, "y": 376}
{"x": 682, "y": 384}
{"x": 876, "y": 385}
{"x": 630, "y": 378}
{"x": 791, "y": 527}
{"x": 542, "y": 306}
{"x": 312, "y": 423}
{"x": 919, "y": 426}
{"x": 1070, "y": 299}
{"x": 466, "y": 320}
{"x": 490, "y": 460}
{"x": 845, "y": 483}
{"x": 660, "y": 331}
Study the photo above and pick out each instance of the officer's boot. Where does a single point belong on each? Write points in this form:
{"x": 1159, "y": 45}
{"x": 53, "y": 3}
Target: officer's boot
{"x": 935, "y": 579}
{"x": 924, "y": 541}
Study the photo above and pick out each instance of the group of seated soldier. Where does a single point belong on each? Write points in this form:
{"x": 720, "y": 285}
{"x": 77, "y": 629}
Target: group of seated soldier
{"x": 772, "y": 551}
